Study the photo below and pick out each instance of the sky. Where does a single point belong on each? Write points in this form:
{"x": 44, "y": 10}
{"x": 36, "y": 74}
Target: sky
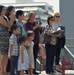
{"x": 54, "y": 3}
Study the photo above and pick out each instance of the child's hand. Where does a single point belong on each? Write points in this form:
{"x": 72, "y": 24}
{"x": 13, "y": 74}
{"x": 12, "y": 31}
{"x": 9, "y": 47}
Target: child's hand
{"x": 9, "y": 57}
{"x": 27, "y": 47}
{"x": 22, "y": 60}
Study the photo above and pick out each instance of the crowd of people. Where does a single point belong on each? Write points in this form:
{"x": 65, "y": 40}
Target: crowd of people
{"x": 19, "y": 42}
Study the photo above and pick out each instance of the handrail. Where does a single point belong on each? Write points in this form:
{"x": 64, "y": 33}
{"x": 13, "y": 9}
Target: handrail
{"x": 70, "y": 38}
{"x": 65, "y": 47}
{"x": 71, "y": 46}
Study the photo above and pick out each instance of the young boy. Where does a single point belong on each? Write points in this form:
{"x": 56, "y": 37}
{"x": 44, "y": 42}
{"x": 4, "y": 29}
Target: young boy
{"x": 20, "y": 17}
{"x": 13, "y": 50}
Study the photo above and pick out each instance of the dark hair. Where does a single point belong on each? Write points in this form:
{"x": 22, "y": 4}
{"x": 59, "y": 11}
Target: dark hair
{"x": 29, "y": 33}
{"x": 48, "y": 19}
{"x": 19, "y": 13}
{"x": 22, "y": 38}
{"x": 1, "y": 8}
{"x": 9, "y": 9}
{"x": 13, "y": 27}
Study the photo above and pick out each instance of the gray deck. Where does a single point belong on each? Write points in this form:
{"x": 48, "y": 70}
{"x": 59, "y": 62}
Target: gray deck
{"x": 67, "y": 72}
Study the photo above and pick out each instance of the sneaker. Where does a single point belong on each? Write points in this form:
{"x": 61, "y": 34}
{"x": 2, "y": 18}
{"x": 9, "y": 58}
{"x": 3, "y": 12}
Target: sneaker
{"x": 36, "y": 73}
{"x": 60, "y": 71}
{"x": 26, "y": 72}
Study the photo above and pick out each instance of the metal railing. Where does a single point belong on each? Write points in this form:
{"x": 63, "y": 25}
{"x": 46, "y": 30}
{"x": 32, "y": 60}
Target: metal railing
{"x": 69, "y": 49}
{"x": 70, "y": 42}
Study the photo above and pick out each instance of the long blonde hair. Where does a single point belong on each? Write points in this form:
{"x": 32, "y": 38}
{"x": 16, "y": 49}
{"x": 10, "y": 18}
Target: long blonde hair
{"x": 56, "y": 14}
{"x": 29, "y": 16}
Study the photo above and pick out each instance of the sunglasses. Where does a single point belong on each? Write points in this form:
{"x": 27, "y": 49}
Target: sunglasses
{"x": 57, "y": 16}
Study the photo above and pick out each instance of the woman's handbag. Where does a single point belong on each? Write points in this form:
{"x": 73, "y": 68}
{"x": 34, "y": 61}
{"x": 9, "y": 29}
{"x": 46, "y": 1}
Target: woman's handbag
{"x": 47, "y": 38}
{"x": 44, "y": 38}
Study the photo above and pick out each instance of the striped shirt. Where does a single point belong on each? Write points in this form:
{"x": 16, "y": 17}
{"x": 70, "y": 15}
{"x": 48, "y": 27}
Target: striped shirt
{"x": 13, "y": 41}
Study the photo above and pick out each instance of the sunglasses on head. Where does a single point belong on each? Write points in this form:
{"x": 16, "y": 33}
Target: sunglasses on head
{"x": 57, "y": 16}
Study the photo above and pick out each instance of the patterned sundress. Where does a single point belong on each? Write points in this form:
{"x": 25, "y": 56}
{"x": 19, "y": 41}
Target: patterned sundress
{"x": 25, "y": 64}
{"x": 4, "y": 39}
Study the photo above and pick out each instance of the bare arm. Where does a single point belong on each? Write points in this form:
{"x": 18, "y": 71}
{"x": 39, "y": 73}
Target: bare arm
{"x": 36, "y": 26}
{"x": 9, "y": 23}
{"x": 55, "y": 35}
{"x": 12, "y": 18}
{"x": 3, "y": 22}
{"x": 11, "y": 48}
{"x": 21, "y": 53}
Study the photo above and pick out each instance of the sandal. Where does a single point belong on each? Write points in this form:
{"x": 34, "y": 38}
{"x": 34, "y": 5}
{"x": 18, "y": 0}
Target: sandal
{"x": 59, "y": 71}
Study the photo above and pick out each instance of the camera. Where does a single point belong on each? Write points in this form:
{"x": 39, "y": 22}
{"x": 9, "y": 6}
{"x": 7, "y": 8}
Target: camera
{"x": 38, "y": 22}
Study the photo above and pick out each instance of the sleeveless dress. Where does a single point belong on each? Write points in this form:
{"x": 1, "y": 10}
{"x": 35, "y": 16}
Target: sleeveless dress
{"x": 4, "y": 39}
{"x": 24, "y": 65}
{"x": 31, "y": 56}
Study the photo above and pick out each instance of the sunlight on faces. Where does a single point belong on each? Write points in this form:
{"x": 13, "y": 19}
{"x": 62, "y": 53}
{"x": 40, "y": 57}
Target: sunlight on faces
{"x": 57, "y": 17}
{"x": 12, "y": 11}
{"x": 22, "y": 17}
{"x": 32, "y": 37}
{"x": 3, "y": 11}
{"x": 32, "y": 18}
{"x": 16, "y": 31}
{"x": 51, "y": 21}
{"x": 25, "y": 42}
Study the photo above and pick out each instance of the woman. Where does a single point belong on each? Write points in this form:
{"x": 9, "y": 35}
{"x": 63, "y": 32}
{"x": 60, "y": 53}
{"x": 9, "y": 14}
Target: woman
{"x": 31, "y": 25}
{"x": 9, "y": 12}
{"x": 59, "y": 44}
{"x": 4, "y": 38}
{"x": 50, "y": 46}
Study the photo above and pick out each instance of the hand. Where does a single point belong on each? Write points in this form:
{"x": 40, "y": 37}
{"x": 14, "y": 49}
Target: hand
{"x": 9, "y": 57}
{"x": 22, "y": 60}
{"x": 37, "y": 26}
{"x": 64, "y": 34}
{"x": 13, "y": 17}
{"x": 58, "y": 35}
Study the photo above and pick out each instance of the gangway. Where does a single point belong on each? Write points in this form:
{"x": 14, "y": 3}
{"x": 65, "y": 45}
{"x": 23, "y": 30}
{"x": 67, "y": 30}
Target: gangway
{"x": 68, "y": 52}
{"x": 69, "y": 49}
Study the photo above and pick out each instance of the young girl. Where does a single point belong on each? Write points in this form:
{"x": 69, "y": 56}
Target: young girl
{"x": 23, "y": 56}
{"x": 30, "y": 36}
